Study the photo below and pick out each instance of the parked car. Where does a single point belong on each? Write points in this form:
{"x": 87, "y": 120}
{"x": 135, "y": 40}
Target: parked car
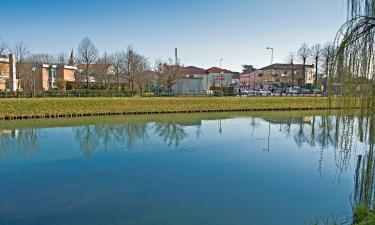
{"x": 293, "y": 91}
{"x": 244, "y": 92}
{"x": 264, "y": 92}
{"x": 251, "y": 92}
{"x": 306, "y": 91}
{"x": 317, "y": 91}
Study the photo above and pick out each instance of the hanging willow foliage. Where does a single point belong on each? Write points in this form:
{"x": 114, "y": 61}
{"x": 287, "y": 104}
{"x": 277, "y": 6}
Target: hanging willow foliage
{"x": 352, "y": 70}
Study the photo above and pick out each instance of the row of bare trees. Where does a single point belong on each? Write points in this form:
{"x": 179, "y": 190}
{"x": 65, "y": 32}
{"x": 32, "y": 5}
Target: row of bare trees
{"x": 125, "y": 67}
{"x": 122, "y": 68}
{"x": 319, "y": 55}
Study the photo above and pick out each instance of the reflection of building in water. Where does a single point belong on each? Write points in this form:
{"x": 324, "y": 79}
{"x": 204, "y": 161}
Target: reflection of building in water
{"x": 308, "y": 119}
{"x": 5, "y": 132}
{"x": 294, "y": 120}
{"x": 18, "y": 142}
{"x": 14, "y": 133}
{"x": 190, "y": 123}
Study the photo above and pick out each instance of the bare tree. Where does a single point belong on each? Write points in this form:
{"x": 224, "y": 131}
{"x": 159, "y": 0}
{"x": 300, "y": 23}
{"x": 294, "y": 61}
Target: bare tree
{"x": 290, "y": 60}
{"x": 316, "y": 53}
{"x": 87, "y": 55}
{"x": 21, "y": 51}
{"x": 62, "y": 58}
{"x": 327, "y": 57}
{"x": 130, "y": 56}
{"x": 25, "y": 74}
{"x": 119, "y": 65}
{"x": 4, "y": 47}
{"x": 170, "y": 74}
{"x": 102, "y": 69}
{"x": 43, "y": 58}
{"x": 135, "y": 65}
{"x": 143, "y": 77}
{"x": 303, "y": 54}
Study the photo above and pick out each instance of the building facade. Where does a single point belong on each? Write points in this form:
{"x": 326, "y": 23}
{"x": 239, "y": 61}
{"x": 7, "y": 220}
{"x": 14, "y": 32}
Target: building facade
{"x": 250, "y": 80}
{"x": 8, "y": 80}
{"x": 191, "y": 81}
{"x": 218, "y": 77}
{"x": 49, "y": 76}
{"x": 277, "y": 74}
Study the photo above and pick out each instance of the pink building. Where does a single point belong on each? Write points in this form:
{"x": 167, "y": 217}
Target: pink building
{"x": 250, "y": 80}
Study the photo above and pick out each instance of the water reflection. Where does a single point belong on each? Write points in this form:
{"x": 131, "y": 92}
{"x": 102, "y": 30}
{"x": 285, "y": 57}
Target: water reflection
{"x": 171, "y": 133}
{"x": 18, "y": 142}
{"x": 323, "y": 131}
{"x": 364, "y": 191}
{"x": 92, "y": 137}
{"x": 342, "y": 134}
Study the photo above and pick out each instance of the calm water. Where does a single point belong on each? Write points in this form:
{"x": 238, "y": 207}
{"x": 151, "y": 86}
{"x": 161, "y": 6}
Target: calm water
{"x": 278, "y": 168}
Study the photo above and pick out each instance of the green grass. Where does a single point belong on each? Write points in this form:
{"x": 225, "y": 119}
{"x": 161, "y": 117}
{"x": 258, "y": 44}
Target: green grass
{"x": 94, "y": 106}
{"x": 180, "y": 118}
{"x": 363, "y": 217}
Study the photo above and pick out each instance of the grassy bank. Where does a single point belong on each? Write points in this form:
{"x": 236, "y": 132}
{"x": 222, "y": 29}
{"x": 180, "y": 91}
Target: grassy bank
{"x": 179, "y": 118}
{"x": 40, "y": 108}
{"x": 363, "y": 217}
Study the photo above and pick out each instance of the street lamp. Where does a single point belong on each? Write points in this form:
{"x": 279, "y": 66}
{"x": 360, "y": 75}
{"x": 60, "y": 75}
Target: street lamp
{"x": 325, "y": 83}
{"x": 33, "y": 70}
{"x": 270, "y": 48}
{"x": 221, "y": 72}
{"x": 282, "y": 88}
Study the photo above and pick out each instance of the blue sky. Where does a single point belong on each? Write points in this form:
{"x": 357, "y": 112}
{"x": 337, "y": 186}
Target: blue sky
{"x": 203, "y": 30}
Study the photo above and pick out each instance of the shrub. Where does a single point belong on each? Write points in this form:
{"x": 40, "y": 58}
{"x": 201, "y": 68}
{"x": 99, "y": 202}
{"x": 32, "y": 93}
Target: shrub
{"x": 218, "y": 93}
{"x": 229, "y": 91}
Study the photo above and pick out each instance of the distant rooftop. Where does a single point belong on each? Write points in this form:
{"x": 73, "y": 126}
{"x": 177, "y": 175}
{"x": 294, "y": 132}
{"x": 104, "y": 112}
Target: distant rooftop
{"x": 193, "y": 70}
{"x": 285, "y": 66}
{"x": 218, "y": 70}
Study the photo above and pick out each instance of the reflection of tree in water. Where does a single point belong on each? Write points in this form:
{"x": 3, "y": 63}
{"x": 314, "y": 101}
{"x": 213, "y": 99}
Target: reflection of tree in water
{"x": 87, "y": 140}
{"x": 90, "y": 138}
{"x": 364, "y": 192}
{"x": 170, "y": 132}
{"x": 324, "y": 132}
{"x": 109, "y": 136}
{"x": 18, "y": 142}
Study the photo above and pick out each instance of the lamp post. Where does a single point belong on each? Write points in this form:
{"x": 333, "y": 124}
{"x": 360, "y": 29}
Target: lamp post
{"x": 221, "y": 72}
{"x": 33, "y": 70}
{"x": 325, "y": 83}
{"x": 282, "y": 88}
{"x": 270, "y": 48}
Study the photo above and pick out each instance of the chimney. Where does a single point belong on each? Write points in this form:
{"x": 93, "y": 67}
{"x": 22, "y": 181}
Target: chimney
{"x": 12, "y": 73}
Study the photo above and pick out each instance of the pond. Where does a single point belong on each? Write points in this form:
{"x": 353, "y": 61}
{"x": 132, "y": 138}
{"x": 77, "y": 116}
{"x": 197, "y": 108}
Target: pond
{"x": 254, "y": 168}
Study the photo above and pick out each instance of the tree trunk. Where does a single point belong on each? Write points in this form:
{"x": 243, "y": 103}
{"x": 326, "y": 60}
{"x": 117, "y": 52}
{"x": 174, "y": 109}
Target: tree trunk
{"x": 316, "y": 71}
{"x": 292, "y": 74}
{"x": 304, "y": 71}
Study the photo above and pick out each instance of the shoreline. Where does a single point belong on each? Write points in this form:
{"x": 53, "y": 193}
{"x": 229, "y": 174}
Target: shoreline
{"x": 23, "y": 109}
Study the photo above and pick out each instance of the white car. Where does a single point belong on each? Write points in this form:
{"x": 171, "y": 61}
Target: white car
{"x": 264, "y": 92}
{"x": 244, "y": 92}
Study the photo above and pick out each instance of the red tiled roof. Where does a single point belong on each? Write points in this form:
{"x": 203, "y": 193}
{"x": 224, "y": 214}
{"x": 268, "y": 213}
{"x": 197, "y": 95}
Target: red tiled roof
{"x": 193, "y": 70}
{"x": 218, "y": 70}
{"x": 280, "y": 66}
